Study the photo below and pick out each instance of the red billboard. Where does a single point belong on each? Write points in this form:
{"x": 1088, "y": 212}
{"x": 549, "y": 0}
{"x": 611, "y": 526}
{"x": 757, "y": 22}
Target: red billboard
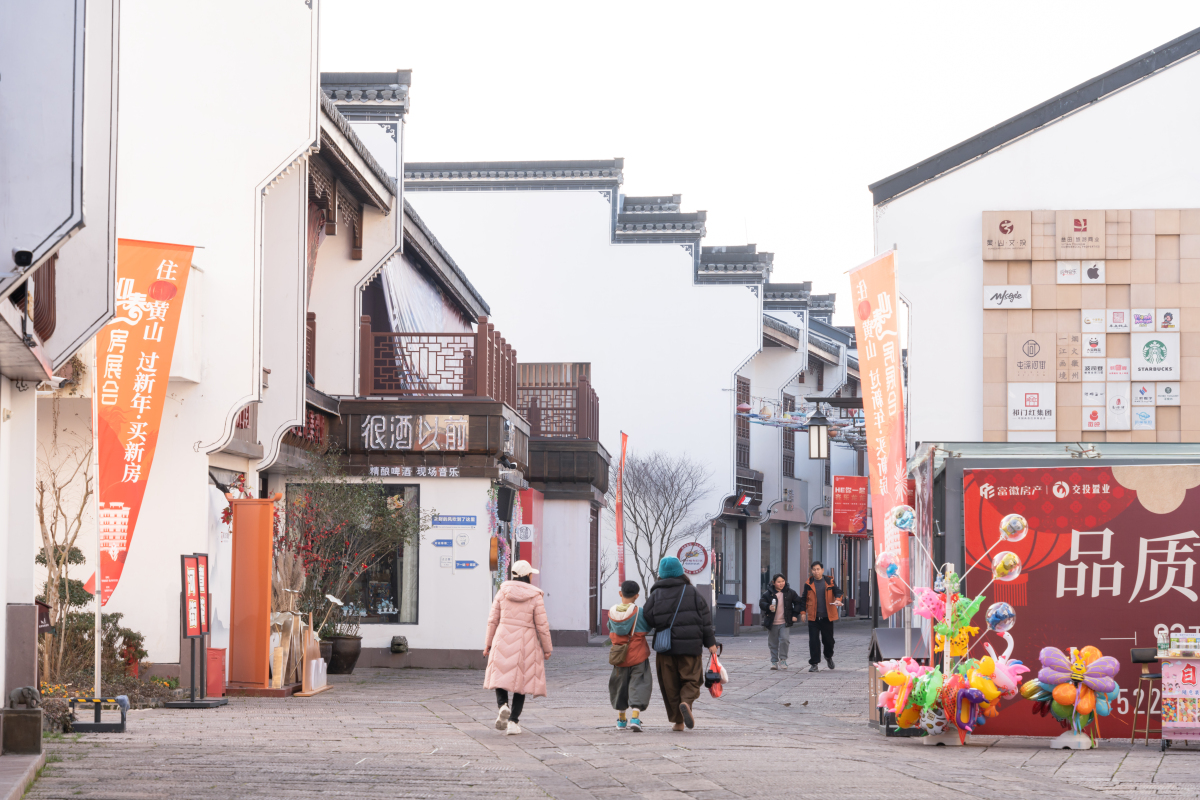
{"x": 850, "y": 505}
{"x": 1109, "y": 561}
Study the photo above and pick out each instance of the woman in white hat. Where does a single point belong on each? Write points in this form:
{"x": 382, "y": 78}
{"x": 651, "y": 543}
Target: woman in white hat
{"x": 517, "y": 646}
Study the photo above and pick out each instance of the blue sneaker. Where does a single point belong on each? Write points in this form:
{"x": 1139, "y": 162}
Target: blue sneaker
{"x": 635, "y": 724}
{"x": 621, "y": 724}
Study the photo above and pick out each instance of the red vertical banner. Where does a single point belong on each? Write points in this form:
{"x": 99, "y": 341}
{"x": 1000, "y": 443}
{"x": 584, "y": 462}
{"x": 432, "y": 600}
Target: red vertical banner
{"x": 850, "y": 505}
{"x": 620, "y": 512}
{"x": 191, "y": 596}
{"x": 133, "y": 364}
{"x": 876, "y": 326}
{"x": 202, "y": 587}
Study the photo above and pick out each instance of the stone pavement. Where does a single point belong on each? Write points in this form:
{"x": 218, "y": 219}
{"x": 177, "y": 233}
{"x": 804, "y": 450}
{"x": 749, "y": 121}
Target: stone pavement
{"x": 429, "y": 733}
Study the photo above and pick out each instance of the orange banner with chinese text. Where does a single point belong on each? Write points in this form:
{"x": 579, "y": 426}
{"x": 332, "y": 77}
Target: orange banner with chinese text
{"x": 876, "y": 326}
{"x": 133, "y": 363}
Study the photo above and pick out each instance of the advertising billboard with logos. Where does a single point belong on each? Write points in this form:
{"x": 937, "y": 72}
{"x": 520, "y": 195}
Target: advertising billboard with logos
{"x": 1108, "y": 561}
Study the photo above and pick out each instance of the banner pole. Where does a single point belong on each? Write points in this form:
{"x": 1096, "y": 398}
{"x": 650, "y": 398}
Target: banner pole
{"x": 620, "y": 512}
{"x": 96, "y": 633}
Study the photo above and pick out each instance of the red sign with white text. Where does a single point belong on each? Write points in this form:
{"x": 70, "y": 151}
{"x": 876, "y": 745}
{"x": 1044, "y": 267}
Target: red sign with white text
{"x": 1108, "y": 560}
{"x": 192, "y": 627}
{"x": 133, "y": 362}
{"x": 876, "y": 308}
{"x": 850, "y": 505}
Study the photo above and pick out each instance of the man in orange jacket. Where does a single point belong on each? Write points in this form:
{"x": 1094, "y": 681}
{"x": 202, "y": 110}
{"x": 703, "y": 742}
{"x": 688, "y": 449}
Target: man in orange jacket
{"x": 820, "y": 600}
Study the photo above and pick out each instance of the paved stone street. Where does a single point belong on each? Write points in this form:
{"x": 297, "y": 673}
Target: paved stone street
{"x": 429, "y": 733}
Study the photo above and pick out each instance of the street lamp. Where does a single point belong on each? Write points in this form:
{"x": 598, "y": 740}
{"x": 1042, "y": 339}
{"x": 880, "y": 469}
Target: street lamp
{"x": 818, "y": 436}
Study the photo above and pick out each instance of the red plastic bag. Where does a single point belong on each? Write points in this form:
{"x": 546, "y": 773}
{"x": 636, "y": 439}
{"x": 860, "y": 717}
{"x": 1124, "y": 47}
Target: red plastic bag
{"x": 714, "y": 676}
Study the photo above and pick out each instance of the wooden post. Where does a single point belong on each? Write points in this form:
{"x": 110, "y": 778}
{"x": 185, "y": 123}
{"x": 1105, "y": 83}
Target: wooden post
{"x": 250, "y": 598}
{"x": 481, "y": 357}
{"x": 366, "y": 356}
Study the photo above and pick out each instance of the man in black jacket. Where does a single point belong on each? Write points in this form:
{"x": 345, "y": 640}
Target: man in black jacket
{"x": 675, "y": 605}
{"x": 779, "y": 607}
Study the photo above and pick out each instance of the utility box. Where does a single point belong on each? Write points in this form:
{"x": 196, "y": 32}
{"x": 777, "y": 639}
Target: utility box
{"x": 215, "y": 674}
{"x": 728, "y": 619}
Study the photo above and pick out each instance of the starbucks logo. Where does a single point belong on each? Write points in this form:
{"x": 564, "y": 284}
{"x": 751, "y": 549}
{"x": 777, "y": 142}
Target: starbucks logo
{"x": 1155, "y": 352}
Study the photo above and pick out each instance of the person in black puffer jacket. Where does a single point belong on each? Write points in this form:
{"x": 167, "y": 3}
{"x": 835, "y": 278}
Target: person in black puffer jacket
{"x": 780, "y": 607}
{"x": 680, "y": 670}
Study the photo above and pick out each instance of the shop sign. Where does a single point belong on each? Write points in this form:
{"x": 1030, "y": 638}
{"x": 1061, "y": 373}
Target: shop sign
{"x": 202, "y": 586}
{"x": 1091, "y": 272}
{"x": 415, "y": 432}
{"x": 1093, "y": 394}
{"x": 1118, "y": 407}
{"x": 1093, "y": 345}
{"x": 1167, "y": 319}
{"x": 1031, "y": 357}
{"x": 443, "y": 542}
{"x": 1154, "y": 356}
{"x": 418, "y": 472}
{"x": 694, "y": 558}
{"x": 446, "y": 562}
{"x": 1142, "y": 319}
{"x": 1069, "y": 361}
{"x": 1068, "y": 271}
{"x": 850, "y": 505}
{"x": 462, "y": 538}
{"x": 1105, "y": 562}
{"x": 454, "y": 521}
{"x": 1143, "y": 418}
{"x": 1094, "y": 369}
{"x": 1031, "y": 406}
{"x": 1079, "y": 234}
{"x": 1117, "y": 320}
{"x": 1117, "y": 369}
{"x": 1094, "y": 320}
{"x": 191, "y": 597}
{"x": 1093, "y": 418}
{"x": 1007, "y": 235}
{"x": 1168, "y": 393}
{"x": 523, "y": 533}
{"x": 1003, "y": 297}
{"x": 1142, "y": 394}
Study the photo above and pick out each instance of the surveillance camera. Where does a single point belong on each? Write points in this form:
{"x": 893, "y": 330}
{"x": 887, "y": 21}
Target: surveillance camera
{"x": 22, "y": 258}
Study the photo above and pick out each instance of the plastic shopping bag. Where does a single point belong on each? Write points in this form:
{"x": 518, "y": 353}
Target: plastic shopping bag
{"x": 715, "y": 676}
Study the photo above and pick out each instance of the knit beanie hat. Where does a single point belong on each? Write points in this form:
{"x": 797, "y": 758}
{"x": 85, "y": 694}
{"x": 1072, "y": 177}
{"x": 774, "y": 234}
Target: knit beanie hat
{"x": 670, "y": 567}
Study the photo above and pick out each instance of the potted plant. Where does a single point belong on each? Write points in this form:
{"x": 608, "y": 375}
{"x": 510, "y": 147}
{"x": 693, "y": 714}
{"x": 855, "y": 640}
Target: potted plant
{"x": 340, "y": 526}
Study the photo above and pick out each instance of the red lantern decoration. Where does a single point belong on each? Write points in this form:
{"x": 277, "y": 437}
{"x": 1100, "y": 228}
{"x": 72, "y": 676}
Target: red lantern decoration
{"x": 163, "y": 290}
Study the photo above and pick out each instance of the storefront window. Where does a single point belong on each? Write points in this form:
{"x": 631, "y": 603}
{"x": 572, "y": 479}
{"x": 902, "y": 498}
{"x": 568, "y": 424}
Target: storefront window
{"x": 388, "y": 591}
{"x": 772, "y": 555}
{"x": 727, "y": 560}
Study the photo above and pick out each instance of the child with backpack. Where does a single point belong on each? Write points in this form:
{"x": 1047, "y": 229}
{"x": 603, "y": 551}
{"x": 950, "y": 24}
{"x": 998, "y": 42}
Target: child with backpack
{"x": 630, "y": 684}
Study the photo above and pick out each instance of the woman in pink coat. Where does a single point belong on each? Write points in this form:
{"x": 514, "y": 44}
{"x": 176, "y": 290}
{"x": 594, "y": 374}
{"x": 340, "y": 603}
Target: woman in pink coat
{"x": 518, "y": 644}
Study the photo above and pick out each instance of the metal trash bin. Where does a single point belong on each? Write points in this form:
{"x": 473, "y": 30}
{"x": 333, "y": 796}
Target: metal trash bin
{"x": 728, "y": 619}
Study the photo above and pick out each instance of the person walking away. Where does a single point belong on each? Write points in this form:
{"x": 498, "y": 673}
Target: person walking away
{"x": 675, "y": 605}
{"x": 630, "y": 684}
{"x": 517, "y": 646}
{"x": 820, "y": 601}
{"x": 780, "y": 608}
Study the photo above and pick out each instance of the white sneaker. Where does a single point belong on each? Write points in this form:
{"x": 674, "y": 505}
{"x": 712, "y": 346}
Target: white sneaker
{"x": 774, "y": 665}
{"x": 502, "y": 717}
{"x": 513, "y": 729}
{"x": 783, "y": 665}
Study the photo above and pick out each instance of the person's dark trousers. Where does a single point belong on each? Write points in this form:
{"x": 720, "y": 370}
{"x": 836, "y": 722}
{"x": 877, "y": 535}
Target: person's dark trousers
{"x": 679, "y": 681}
{"x": 518, "y": 702}
{"x": 818, "y": 631}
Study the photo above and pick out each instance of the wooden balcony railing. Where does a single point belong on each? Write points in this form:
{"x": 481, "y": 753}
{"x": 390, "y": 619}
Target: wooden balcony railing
{"x": 559, "y": 401}
{"x": 480, "y": 364}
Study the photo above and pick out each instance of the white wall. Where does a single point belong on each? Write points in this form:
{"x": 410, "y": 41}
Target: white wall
{"x": 565, "y": 565}
{"x": 1134, "y": 149}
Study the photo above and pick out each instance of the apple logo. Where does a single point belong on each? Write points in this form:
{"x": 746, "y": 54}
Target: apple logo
{"x": 1093, "y": 273}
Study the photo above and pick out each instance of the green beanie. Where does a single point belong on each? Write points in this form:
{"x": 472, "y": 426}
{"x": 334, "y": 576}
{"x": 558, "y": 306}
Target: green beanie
{"x": 670, "y": 567}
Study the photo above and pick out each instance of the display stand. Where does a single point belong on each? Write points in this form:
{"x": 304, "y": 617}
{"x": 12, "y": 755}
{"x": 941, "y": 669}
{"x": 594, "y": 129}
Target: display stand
{"x": 313, "y": 672}
{"x": 195, "y": 605}
{"x": 202, "y": 701}
{"x": 1180, "y": 700}
{"x": 250, "y": 600}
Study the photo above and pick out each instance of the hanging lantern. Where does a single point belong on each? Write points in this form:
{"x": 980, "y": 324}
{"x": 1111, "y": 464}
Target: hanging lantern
{"x": 818, "y": 436}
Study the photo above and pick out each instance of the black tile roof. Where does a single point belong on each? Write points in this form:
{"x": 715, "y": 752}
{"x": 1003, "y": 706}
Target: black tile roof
{"x": 1026, "y": 122}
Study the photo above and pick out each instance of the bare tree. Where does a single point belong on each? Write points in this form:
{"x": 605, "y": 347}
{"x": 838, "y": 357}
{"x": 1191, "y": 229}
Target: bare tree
{"x": 64, "y": 487}
{"x": 661, "y": 493}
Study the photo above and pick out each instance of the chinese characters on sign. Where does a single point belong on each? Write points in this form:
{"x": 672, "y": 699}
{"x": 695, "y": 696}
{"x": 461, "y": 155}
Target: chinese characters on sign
{"x": 1079, "y": 235}
{"x": 1007, "y": 235}
{"x": 850, "y": 505}
{"x": 415, "y": 432}
{"x": 873, "y": 292}
{"x": 191, "y": 597}
{"x": 133, "y": 361}
{"x": 414, "y": 472}
{"x": 1031, "y": 357}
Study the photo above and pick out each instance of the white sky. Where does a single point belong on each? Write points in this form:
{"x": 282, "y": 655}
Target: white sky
{"x": 773, "y": 117}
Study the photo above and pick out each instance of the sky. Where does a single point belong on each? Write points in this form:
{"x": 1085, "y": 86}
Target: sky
{"x": 772, "y": 117}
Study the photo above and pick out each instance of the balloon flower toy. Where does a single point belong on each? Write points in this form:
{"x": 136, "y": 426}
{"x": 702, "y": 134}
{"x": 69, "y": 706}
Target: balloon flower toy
{"x": 1077, "y": 689}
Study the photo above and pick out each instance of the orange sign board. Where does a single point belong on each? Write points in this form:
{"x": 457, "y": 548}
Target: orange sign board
{"x": 133, "y": 363}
